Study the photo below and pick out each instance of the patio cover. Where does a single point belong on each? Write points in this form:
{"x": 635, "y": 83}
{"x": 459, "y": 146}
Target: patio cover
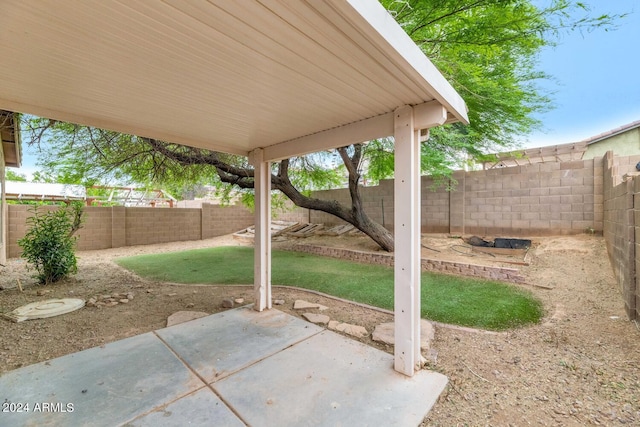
{"x": 267, "y": 79}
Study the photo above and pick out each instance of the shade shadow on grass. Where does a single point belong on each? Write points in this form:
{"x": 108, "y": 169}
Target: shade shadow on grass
{"x": 449, "y": 299}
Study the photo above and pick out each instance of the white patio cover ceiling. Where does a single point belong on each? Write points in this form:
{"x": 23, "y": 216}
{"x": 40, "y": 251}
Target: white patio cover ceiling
{"x": 227, "y": 75}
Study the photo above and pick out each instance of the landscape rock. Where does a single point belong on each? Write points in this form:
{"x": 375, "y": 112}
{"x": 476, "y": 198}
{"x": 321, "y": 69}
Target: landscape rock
{"x": 184, "y": 316}
{"x": 227, "y": 303}
{"x": 239, "y": 300}
{"x": 191, "y": 305}
{"x": 353, "y": 330}
{"x": 321, "y": 319}
{"x": 333, "y": 324}
{"x": 305, "y": 305}
{"x": 278, "y": 302}
{"x": 385, "y": 333}
{"x": 124, "y": 301}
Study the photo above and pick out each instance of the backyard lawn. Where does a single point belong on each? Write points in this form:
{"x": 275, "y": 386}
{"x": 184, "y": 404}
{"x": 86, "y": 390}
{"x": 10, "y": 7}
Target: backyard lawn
{"x": 449, "y": 299}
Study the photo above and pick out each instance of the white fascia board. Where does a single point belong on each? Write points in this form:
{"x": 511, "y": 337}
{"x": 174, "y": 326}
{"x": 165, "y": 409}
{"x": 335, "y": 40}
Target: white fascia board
{"x": 392, "y": 39}
{"x": 353, "y": 133}
{"x": 426, "y": 115}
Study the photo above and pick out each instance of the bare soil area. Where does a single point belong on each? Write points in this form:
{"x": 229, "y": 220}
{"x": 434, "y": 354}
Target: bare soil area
{"x": 580, "y": 366}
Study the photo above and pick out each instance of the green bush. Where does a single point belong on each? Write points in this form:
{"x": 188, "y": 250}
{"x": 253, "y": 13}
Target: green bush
{"x": 49, "y": 245}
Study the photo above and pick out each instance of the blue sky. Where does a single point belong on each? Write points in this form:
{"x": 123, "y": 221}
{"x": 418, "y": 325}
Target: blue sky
{"x": 597, "y": 78}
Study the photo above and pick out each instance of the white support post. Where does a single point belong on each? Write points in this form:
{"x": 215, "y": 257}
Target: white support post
{"x": 262, "y": 246}
{"x": 407, "y": 242}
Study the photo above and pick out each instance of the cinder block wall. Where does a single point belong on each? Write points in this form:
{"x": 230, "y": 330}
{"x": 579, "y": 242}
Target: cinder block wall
{"x": 632, "y": 295}
{"x": 17, "y": 220}
{"x": 537, "y": 199}
{"x": 147, "y": 226}
{"x": 440, "y": 209}
{"x": 622, "y": 227}
{"x": 112, "y": 227}
{"x": 220, "y": 220}
{"x": 96, "y": 230}
{"x": 291, "y": 213}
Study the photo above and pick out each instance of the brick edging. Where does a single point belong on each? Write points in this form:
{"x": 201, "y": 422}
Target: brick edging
{"x": 501, "y": 274}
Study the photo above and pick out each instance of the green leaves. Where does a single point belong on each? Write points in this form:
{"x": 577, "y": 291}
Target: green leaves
{"x": 487, "y": 50}
{"x": 317, "y": 171}
{"x": 379, "y": 155}
{"x": 14, "y": 176}
{"x": 49, "y": 245}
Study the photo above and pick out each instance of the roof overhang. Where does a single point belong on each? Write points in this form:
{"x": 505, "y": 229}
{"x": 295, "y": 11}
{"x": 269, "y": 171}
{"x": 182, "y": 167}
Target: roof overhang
{"x": 613, "y": 132}
{"x": 229, "y": 76}
{"x": 10, "y": 134}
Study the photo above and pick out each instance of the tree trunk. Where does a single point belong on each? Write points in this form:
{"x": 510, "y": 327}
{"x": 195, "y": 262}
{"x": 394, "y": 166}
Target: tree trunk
{"x": 377, "y": 232}
{"x": 354, "y": 216}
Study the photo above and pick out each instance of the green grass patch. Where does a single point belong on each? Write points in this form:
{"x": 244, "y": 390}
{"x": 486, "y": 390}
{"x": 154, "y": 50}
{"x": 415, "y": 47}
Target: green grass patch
{"x": 450, "y": 299}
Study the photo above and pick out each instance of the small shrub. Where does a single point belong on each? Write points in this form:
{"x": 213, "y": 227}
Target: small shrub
{"x": 49, "y": 245}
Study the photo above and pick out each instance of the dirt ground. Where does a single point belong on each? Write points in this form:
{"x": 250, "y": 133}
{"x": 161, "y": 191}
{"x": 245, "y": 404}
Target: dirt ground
{"x": 580, "y": 366}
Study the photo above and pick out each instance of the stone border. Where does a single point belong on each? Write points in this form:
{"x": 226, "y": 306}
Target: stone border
{"x": 359, "y": 304}
{"x": 502, "y": 274}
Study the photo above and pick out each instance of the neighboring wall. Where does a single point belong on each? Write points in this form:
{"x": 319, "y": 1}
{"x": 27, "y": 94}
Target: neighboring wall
{"x": 119, "y": 226}
{"x": 622, "y": 227}
{"x": 537, "y": 199}
{"x": 622, "y": 144}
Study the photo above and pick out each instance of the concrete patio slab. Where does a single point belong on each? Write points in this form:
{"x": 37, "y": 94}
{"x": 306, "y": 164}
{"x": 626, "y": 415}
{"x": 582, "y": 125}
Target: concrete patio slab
{"x": 218, "y": 345}
{"x": 238, "y": 367}
{"x": 106, "y": 385}
{"x": 202, "y": 408}
{"x": 330, "y": 380}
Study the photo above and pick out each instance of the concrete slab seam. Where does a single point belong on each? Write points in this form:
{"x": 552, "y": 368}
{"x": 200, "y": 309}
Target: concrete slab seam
{"x": 164, "y": 405}
{"x": 204, "y": 382}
